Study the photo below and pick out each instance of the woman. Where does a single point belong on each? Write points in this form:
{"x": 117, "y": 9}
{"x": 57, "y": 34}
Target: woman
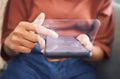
{"x": 17, "y": 37}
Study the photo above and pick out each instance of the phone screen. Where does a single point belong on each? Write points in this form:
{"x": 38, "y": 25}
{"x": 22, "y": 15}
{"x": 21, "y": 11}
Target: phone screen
{"x": 65, "y": 46}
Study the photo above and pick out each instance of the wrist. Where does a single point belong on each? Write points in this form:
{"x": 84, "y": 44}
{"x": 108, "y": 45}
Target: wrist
{"x": 96, "y": 54}
{"x": 9, "y": 52}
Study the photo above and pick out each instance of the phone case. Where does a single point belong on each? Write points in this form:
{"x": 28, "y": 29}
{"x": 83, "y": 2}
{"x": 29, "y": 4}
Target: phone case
{"x": 66, "y": 45}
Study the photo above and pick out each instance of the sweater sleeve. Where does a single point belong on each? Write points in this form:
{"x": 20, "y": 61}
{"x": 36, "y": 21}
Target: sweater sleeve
{"x": 105, "y": 34}
{"x": 16, "y": 11}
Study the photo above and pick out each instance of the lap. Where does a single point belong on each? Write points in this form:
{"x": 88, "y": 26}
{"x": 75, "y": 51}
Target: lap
{"x": 36, "y": 66}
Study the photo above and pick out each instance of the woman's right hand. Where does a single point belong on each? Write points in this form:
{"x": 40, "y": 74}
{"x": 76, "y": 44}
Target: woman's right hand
{"x": 24, "y": 37}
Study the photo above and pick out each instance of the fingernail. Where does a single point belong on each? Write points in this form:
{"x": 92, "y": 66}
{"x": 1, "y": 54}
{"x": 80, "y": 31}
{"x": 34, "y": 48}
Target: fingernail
{"x": 55, "y": 35}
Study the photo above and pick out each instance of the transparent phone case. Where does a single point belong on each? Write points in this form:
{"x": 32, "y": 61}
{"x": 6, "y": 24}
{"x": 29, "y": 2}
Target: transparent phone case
{"x": 66, "y": 45}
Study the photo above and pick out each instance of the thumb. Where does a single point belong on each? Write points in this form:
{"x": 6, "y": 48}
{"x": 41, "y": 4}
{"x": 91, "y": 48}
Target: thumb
{"x": 84, "y": 39}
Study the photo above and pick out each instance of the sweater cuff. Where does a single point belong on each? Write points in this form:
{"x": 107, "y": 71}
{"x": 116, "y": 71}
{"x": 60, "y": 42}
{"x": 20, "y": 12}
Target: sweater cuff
{"x": 4, "y": 54}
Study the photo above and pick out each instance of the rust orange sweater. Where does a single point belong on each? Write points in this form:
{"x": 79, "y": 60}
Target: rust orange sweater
{"x": 27, "y": 10}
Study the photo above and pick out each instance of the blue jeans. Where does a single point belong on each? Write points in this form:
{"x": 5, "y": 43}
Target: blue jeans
{"x": 36, "y": 66}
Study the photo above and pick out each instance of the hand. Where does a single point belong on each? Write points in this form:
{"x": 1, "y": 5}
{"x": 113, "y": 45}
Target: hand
{"x": 84, "y": 39}
{"x": 97, "y": 52}
{"x": 24, "y": 37}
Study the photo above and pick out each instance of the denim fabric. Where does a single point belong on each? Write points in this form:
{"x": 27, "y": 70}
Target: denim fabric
{"x": 36, "y": 66}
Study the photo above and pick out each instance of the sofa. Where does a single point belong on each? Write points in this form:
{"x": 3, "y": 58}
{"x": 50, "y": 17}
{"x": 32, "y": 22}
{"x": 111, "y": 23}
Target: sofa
{"x": 110, "y": 69}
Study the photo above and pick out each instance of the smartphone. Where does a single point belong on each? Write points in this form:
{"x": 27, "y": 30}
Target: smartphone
{"x": 65, "y": 46}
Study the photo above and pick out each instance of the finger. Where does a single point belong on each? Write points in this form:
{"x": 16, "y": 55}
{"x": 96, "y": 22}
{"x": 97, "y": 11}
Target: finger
{"x": 84, "y": 39}
{"x": 26, "y": 30}
{"x": 27, "y": 44}
{"x": 43, "y": 51}
{"x": 47, "y": 32}
{"x": 41, "y": 42}
{"x": 22, "y": 42}
{"x": 30, "y": 36}
{"x": 38, "y": 22}
{"x": 42, "y": 30}
{"x": 40, "y": 19}
{"x": 26, "y": 26}
{"x": 20, "y": 49}
{"x": 23, "y": 49}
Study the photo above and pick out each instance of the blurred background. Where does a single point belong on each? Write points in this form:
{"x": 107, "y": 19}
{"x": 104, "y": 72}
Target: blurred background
{"x": 118, "y": 1}
{"x": 2, "y": 6}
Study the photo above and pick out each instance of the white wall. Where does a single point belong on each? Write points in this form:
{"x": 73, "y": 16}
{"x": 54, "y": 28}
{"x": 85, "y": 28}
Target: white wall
{"x": 2, "y": 7}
